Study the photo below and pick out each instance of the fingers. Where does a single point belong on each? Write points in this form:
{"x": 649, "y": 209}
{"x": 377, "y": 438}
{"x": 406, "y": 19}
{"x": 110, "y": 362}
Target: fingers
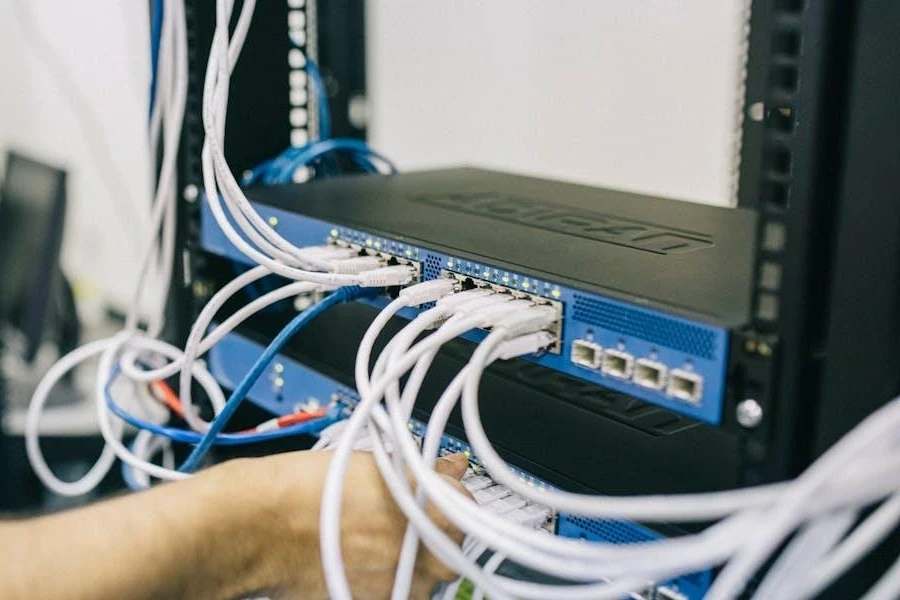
{"x": 452, "y": 465}
{"x": 429, "y": 564}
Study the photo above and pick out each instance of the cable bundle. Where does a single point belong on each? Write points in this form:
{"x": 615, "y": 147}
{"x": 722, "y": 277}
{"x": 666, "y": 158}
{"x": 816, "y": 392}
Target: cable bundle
{"x": 142, "y": 359}
{"x": 814, "y": 521}
{"x": 820, "y": 509}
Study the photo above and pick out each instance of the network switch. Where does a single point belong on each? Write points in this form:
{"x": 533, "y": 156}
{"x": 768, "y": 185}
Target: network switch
{"x": 652, "y": 303}
{"x": 289, "y": 383}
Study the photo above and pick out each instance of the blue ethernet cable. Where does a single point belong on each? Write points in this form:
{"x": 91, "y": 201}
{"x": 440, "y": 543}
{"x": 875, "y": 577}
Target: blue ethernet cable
{"x": 281, "y": 168}
{"x": 155, "y": 35}
{"x": 364, "y": 163}
{"x": 318, "y": 85}
{"x": 281, "y": 171}
{"x": 344, "y": 294}
{"x": 187, "y": 436}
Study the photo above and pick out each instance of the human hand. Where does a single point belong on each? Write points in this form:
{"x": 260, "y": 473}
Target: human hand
{"x": 285, "y": 493}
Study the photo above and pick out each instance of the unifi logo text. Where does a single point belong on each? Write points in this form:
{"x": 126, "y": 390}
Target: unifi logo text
{"x": 586, "y": 224}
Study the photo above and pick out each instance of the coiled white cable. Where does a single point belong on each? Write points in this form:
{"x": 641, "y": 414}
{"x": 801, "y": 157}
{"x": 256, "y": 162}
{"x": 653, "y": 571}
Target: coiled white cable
{"x": 626, "y": 565}
{"x": 172, "y": 96}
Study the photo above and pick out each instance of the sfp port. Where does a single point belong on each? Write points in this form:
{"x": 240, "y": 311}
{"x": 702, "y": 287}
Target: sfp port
{"x": 686, "y": 386}
{"x": 650, "y": 374}
{"x": 618, "y": 364}
{"x": 586, "y": 354}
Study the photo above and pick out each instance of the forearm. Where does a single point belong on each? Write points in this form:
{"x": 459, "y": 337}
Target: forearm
{"x": 244, "y": 528}
{"x": 180, "y": 540}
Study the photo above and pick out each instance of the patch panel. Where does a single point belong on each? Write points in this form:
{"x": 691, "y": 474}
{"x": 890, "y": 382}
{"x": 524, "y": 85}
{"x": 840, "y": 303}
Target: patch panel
{"x": 607, "y": 323}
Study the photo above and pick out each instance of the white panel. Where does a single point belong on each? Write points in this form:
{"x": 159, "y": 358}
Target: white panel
{"x": 101, "y": 47}
{"x": 631, "y": 95}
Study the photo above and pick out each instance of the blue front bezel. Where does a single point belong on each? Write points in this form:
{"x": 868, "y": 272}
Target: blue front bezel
{"x": 305, "y": 231}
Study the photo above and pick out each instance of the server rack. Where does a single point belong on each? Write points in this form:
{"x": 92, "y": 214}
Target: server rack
{"x": 819, "y": 162}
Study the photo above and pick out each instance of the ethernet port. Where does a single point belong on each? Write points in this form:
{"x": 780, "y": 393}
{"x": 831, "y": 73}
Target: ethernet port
{"x": 586, "y": 354}
{"x": 686, "y": 386}
{"x": 618, "y": 364}
{"x": 650, "y": 374}
{"x": 468, "y": 284}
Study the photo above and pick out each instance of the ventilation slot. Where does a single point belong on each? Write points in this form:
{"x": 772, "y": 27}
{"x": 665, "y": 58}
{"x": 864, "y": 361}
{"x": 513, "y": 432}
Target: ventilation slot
{"x": 670, "y": 333}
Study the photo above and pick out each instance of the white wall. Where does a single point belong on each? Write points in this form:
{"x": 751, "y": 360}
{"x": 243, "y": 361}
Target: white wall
{"x": 632, "y": 95}
{"x": 102, "y": 45}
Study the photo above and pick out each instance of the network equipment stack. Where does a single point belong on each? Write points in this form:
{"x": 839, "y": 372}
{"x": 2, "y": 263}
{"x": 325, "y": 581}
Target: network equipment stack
{"x": 697, "y": 348}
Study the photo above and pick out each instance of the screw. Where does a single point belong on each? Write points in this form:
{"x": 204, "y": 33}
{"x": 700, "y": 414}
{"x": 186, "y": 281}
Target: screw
{"x": 756, "y": 111}
{"x": 749, "y": 413}
{"x": 191, "y": 192}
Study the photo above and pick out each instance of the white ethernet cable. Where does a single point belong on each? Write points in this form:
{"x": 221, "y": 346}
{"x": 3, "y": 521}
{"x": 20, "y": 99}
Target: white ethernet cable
{"x": 541, "y": 592}
{"x": 172, "y": 98}
{"x": 803, "y": 552}
{"x": 747, "y": 521}
{"x": 714, "y": 506}
{"x": 436, "y": 540}
{"x": 782, "y": 518}
{"x": 556, "y": 593}
{"x": 167, "y": 116}
{"x": 184, "y": 361}
{"x": 145, "y": 446}
{"x": 888, "y": 587}
{"x": 271, "y": 250}
{"x": 860, "y": 542}
{"x": 172, "y": 95}
{"x": 216, "y": 175}
{"x": 333, "y": 490}
{"x": 440, "y": 414}
{"x": 496, "y": 473}
{"x": 459, "y": 307}
{"x": 450, "y": 553}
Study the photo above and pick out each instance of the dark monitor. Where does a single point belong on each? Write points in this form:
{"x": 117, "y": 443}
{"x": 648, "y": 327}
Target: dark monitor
{"x": 32, "y": 214}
